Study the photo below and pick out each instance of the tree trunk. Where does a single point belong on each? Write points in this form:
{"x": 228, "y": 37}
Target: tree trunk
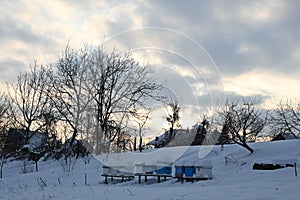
{"x": 134, "y": 144}
{"x": 171, "y": 131}
{"x": 140, "y": 145}
{"x": 73, "y": 137}
{"x": 36, "y": 165}
{"x": 1, "y": 170}
{"x": 97, "y": 150}
{"x": 247, "y": 147}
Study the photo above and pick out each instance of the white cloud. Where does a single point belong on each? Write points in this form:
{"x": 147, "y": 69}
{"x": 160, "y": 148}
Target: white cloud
{"x": 260, "y": 82}
{"x": 239, "y": 37}
{"x": 254, "y": 43}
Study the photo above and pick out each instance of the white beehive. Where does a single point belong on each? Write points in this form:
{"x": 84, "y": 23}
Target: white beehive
{"x": 204, "y": 172}
{"x": 139, "y": 168}
{"x": 121, "y": 170}
{"x": 149, "y": 169}
{"x": 106, "y": 170}
{"x": 114, "y": 171}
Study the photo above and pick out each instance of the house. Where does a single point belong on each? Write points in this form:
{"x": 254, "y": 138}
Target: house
{"x": 16, "y": 139}
{"x": 285, "y": 136}
{"x": 197, "y": 135}
{"x": 181, "y": 137}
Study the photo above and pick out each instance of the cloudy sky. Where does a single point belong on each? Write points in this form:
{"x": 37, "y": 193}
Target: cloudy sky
{"x": 200, "y": 49}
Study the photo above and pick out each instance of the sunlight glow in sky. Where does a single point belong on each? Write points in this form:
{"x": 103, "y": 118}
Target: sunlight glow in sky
{"x": 254, "y": 45}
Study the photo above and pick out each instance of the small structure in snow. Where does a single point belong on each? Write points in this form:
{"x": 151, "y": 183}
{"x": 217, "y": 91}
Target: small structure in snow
{"x": 204, "y": 172}
{"x": 266, "y": 166}
{"x": 139, "y": 168}
{"x": 286, "y": 162}
{"x": 193, "y": 172}
{"x": 163, "y": 168}
{"x": 16, "y": 140}
{"x": 285, "y": 136}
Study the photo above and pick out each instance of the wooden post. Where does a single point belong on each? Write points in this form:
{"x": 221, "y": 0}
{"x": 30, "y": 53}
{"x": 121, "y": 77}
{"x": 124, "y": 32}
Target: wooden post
{"x": 295, "y": 166}
{"x": 140, "y": 179}
{"x": 36, "y": 166}
{"x": 85, "y": 179}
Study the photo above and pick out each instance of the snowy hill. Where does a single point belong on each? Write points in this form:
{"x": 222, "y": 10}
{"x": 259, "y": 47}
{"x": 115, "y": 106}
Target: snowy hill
{"x": 232, "y": 170}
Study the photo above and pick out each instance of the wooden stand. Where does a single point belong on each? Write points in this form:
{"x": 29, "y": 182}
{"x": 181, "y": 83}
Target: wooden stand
{"x": 191, "y": 179}
{"x": 159, "y": 176}
{"x": 122, "y": 177}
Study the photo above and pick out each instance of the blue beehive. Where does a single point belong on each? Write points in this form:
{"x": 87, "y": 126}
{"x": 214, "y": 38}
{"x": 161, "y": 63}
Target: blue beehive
{"x": 189, "y": 171}
{"x": 163, "y": 170}
{"x": 179, "y": 171}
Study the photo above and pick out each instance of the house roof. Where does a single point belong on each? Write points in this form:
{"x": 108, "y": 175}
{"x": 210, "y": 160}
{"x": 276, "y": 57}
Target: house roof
{"x": 182, "y": 137}
{"x": 285, "y": 136}
{"x": 16, "y": 138}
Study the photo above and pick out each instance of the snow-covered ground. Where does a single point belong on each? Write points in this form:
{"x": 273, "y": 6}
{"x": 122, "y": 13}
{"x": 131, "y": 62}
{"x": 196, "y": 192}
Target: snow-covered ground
{"x": 235, "y": 180}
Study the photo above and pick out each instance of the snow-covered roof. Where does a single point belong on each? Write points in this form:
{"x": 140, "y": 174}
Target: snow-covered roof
{"x": 179, "y": 135}
{"x": 285, "y": 136}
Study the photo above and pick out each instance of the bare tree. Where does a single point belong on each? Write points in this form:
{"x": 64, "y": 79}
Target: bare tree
{"x": 5, "y": 118}
{"x": 141, "y": 118}
{"x": 286, "y": 117}
{"x": 119, "y": 85}
{"x": 173, "y": 110}
{"x": 243, "y": 121}
{"x": 5, "y": 123}
{"x": 66, "y": 89}
{"x": 29, "y": 100}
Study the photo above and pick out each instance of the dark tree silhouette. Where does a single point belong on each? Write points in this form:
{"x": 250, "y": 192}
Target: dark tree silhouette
{"x": 67, "y": 92}
{"x": 243, "y": 121}
{"x": 286, "y": 117}
{"x": 141, "y": 118}
{"x": 172, "y": 116}
{"x": 201, "y": 132}
{"x": 29, "y": 100}
{"x": 5, "y": 123}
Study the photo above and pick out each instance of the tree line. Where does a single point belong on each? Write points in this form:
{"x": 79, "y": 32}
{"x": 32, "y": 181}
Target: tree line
{"x": 87, "y": 93}
{"x": 98, "y": 96}
{"x": 242, "y": 121}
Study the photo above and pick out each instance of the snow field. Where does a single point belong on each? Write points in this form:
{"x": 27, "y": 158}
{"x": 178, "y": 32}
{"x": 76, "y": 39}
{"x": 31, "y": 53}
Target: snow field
{"x": 234, "y": 179}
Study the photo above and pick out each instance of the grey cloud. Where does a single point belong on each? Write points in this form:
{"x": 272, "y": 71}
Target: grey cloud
{"x": 216, "y": 97}
{"x": 231, "y": 96}
{"x": 175, "y": 86}
{"x": 10, "y": 29}
{"x": 13, "y": 30}
{"x": 9, "y": 68}
{"x": 273, "y": 40}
